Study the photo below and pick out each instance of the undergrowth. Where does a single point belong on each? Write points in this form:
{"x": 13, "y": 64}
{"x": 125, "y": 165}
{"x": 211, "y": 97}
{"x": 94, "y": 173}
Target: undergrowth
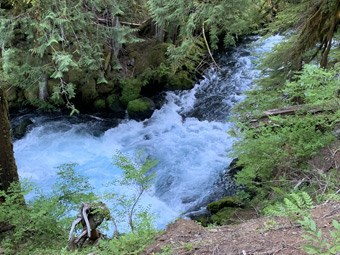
{"x": 40, "y": 225}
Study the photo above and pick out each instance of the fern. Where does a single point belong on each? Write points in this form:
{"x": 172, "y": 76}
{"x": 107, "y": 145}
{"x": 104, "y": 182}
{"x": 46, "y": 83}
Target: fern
{"x": 316, "y": 244}
{"x": 296, "y": 205}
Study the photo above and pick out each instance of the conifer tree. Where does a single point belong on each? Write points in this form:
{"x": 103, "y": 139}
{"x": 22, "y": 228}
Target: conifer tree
{"x": 42, "y": 39}
{"x": 187, "y": 21}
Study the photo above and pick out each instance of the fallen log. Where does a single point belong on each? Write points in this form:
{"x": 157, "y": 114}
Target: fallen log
{"x": 289, "y": 110}
{"x": 90, "y": 216}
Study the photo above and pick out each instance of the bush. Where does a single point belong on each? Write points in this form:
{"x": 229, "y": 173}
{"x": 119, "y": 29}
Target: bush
{"x": 282, "y": 145}
{"x": 42, "y": 225}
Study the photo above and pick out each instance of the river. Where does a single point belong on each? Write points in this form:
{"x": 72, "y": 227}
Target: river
{"x": 188, "y": 135}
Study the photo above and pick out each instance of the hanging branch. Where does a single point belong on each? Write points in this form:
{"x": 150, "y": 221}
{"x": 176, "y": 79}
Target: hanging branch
{"x": 207, "y": 45}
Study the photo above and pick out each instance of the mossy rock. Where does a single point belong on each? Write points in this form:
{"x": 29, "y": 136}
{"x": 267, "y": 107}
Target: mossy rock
{"x": 157, "y": 54}
{"x": 216, "y": 206}
{"x": 223, "y": 216}
{"x": 147, "y": 54}
{"x": 105, "y": 88}
{"x": 12, "y": 94}
{"x": 99, "y": 105}
{"x": 141, "y": 108}
{"x": 76, "y": 76}
{"x": 21, "y": 96}
{"x": 114, "y": 105}
{"x": 180, "y": 81}
{"x": 32, "y": 93}
{"x": 21, "y": 130}
{"x": 202, "y": 219}
{"x": 88, "y": 91}
{"x": 130, "y": 90}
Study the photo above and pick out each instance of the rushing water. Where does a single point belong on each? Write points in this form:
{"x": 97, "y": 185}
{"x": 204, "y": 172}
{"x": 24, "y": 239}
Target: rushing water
{"x": 188, "y": 135}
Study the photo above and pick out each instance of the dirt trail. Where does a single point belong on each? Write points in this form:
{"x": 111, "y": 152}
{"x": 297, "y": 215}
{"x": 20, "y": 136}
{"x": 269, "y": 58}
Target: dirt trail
{"x": 267, "y": 235}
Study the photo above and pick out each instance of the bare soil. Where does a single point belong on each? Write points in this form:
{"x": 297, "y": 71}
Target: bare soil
{"x": 266, "y": 235}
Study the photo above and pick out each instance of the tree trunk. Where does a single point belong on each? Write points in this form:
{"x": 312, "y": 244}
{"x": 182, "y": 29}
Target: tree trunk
{"x": 8, "y": 168}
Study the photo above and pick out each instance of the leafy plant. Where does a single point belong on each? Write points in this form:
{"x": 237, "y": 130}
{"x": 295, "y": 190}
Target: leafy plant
{"x": 296, "y": 205}
{"x": 317, "y": 244}
{"x": 44, "y": 220}
{"x": 137, "y": 176}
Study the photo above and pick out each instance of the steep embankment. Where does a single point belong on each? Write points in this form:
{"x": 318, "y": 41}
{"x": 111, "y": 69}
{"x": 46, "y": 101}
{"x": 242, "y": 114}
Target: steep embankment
{"x": 266, "y": 235}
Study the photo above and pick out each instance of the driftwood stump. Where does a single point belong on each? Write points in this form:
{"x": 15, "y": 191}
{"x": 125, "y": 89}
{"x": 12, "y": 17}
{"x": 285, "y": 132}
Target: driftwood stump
{"x": 90, "y": 216}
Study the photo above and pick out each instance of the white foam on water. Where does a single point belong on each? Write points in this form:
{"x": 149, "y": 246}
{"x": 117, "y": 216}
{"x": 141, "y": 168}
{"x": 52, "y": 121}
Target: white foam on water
{"x": 191, "y": 150}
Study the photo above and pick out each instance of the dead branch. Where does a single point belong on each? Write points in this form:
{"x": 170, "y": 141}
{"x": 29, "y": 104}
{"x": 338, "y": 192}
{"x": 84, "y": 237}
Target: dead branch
{"x": 90, "y": 216}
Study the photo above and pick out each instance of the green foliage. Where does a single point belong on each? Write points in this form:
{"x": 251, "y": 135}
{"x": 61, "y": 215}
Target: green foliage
{"x": 138, "y": 105}
{"x": 130, "y": 242}
{"x": 99, "y": 105}
{"x": 137, "y": 178}
{"x": 226, "y": 19}
{"x": 295, "y": 205}
{"x": 181, "y": 80}
{"x": 41, "y": 226}
{"x": 317, "y": 244}
{"x": 44, "y": 221}
{"x": 48, "y": 39}
{"x": 284, "y": 143}
{"x": 130, "y": 90}
{"x": 315, "y": 86}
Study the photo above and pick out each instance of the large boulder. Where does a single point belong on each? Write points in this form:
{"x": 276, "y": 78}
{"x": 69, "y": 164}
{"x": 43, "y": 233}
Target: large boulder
{"x": 141, "y": 108}
{"x": 12, "y": 94}
{"x": 20, "y": 131}
{"x": 32, "y": 93}
{"x": 99, "y": 105}
{"x": 233, "y": 168}
{"x": 180, "y": 81}
{"x": 216, "y": 206}
{"x": 105, "y": 88}
{"x": 130, "y": 90}
{"x": 115, "y": 106}
{"x": 88, "y": 91}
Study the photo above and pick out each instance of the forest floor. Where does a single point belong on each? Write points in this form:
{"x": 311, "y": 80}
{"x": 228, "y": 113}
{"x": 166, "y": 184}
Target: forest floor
{"x": 266, "y": 235}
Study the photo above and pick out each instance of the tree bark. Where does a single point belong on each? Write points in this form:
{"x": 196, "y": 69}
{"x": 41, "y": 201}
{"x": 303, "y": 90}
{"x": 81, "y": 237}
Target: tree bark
{"x": 8, "y": 167}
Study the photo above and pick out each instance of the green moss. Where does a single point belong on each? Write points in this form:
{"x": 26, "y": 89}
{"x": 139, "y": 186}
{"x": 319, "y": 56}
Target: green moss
{"x": 223, "y": 216}
{"x": 157, "y": 54}
{"x": 216, "y": 206}
{"x": 203, "y": 220}
{"x": 76, "y": 76}
{"x": 105, "y": 88}
{"x": 130, "y": 90}
{"x": 21, "y": 96}
{"x": 147, "y": 55}
{"x": 88, "y": 91}
{"x": 99, "y": 105}
{"x": 138, "y": 105}
{"x": 32, "y": 93}
{"x": 11, "y": 94}
{"x": 181, "y": 80}
{"x": 114, "y": 105}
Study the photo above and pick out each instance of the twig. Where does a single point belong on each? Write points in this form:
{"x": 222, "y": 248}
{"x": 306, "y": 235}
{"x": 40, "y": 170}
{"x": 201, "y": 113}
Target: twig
{"x": 215, "y": 250}
{"x": 207, "y": 45}
{"x": 299, "y": 183}
{"x": 329, "y": 199}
